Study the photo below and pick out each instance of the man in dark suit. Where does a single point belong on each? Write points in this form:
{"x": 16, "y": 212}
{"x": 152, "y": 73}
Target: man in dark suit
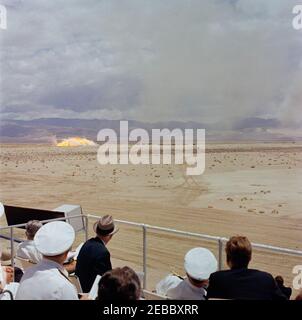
{"x": 240, "y": 282}
{"x": 94, "y": 257}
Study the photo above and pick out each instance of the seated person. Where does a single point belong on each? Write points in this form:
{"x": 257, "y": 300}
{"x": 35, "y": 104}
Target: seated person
{"x": 48, "y": 280}
{"x": 299, "y": 296}
{"x": 27, "y": 249}
{"x": 5, "y": 257}
{"x": 199, "y": 264}
{"x": 6, "y": 271}
{"x": 9, "y": 274}
{"x": 287, "y": 291}
{"x": 6, "y": 276}
{"x": 240, "y": 282}
{"x": 119, "y": 285}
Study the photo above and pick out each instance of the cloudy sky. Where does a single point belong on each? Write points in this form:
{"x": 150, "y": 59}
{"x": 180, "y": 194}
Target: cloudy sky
{"x": 211, "y": 61}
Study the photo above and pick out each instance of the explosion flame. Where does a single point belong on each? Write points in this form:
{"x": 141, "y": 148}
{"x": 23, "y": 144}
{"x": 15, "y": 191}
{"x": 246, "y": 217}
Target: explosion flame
{"x": 75, "y": 142}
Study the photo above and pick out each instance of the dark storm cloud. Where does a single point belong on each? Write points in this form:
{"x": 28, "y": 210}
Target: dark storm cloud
{"x": 113, "y": 93}
{"x": 214, "y": 61}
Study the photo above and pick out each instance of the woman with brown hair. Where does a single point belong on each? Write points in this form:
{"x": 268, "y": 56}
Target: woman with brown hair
{"x": 119, "y": 284}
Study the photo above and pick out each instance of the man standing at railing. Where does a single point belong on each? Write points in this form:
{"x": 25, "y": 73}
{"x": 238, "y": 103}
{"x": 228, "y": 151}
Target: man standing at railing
{"x": 94, "y": 257}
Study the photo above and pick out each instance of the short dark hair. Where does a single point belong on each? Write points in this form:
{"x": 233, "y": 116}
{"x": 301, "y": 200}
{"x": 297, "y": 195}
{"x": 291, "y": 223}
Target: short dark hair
{"x": 238, "y": 251}
{"x": 32, "y": 228}
{"x": 119, "y": 284}
{"x": 279, "y": 280}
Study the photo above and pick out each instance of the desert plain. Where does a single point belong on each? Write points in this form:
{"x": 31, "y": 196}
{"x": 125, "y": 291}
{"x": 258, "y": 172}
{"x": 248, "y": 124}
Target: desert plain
{"x": 252, "y": 189}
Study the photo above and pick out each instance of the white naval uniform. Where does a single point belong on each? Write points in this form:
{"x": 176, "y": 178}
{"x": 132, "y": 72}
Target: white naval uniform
{"x": 28, "y": 250}
{"x": 178, "y": 289}
{"x": 45, "y": 281}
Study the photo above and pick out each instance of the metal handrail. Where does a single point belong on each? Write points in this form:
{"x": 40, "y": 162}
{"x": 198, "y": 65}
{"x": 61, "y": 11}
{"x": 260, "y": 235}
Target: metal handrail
{"x": 11, "y": 228}
{"x": 220, "y": 242}
{"x": 204, "y": 236}
{"x": 145, "y": 227}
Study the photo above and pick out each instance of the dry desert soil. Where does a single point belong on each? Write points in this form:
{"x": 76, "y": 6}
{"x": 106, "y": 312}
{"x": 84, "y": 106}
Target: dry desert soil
{"x": 253, "y": 189}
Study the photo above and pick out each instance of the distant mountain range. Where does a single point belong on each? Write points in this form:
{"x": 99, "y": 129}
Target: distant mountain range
{"x": 48, "y": 129}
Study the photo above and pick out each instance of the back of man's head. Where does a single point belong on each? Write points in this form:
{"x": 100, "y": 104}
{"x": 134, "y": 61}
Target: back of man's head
{"x": 119, "y": 284}
{"x": 239, "y": 252}
{"x": 31, "y": 228}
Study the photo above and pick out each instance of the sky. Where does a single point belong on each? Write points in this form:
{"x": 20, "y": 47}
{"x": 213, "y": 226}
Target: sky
{"x": 212, "y": 61}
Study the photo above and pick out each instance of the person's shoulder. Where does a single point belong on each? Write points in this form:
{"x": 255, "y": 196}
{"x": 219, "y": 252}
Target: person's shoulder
{"x": 61, "y": 280}
{"x": 169, "y": 282}
{"x": 60, "y": 287}
{"x": 262, "y": 274}
{"x": 90, "y": 242}
{"x": 30, "y": 272}
{"x": 93, "y": 241}
{"x": 93, "y": 247}
{"x": 20, "y": 248}
{"x": 23, "y": 244}
{"x": 220, "y": 274}
{"x": 68, "y": 290}
{"x": 288, "y": 289}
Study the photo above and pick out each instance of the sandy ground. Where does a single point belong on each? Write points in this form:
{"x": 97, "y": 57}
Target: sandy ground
{"x": 249, "y": 189}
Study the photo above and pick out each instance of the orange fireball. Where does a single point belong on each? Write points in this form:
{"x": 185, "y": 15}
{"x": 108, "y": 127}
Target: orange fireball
{"x": 75, "y": 142}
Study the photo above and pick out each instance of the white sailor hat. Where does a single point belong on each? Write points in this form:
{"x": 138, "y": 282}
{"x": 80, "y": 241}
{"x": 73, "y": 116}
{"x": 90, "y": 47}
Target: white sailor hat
{"x": 54, "y": 238}
{"x": 200, "y": 263}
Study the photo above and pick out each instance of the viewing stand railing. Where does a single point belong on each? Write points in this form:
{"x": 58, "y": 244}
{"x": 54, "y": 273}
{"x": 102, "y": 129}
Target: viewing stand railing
{"x": 145, "y": 227}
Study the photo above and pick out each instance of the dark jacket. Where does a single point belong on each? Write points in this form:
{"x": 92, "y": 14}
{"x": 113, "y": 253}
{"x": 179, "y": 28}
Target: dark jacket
{"x": 244, "y": 284}
{"x": 93, "y": 260}
{"x": 287, "y": 291}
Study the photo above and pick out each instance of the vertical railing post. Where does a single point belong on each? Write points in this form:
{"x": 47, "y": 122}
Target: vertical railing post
{"x": 86, "y": 228}
{"x": 145, "y": 256}
{"x": 220, "y": 253}
{"x": 12, "y": 251}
